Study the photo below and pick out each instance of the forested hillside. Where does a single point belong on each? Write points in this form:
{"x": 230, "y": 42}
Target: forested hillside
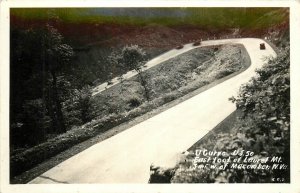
{"x": 58, "y": 55}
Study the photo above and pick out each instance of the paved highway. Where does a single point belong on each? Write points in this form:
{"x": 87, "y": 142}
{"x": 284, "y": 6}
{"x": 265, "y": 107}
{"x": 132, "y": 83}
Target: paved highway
{"x": 127, "y": 156}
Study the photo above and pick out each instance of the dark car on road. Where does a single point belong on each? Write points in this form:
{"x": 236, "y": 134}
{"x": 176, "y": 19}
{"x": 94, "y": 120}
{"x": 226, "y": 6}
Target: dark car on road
{"x": 262, "y": 46}
{"x": 179, "y": 47}
{"x": 196, "y": 43}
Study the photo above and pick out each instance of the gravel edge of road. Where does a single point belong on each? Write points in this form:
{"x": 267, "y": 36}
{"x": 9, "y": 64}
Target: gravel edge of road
{"x": 46, "y": 165}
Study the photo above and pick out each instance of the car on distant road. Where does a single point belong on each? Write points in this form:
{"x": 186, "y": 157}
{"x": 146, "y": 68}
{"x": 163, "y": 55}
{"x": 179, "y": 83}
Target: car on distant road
{"x": 197, "y": 43}
{"x": 179, "y": 47}
{"x": 262, "y": 46}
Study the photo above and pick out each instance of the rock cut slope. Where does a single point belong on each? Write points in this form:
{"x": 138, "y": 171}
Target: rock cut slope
{"x": 127, "y": 156}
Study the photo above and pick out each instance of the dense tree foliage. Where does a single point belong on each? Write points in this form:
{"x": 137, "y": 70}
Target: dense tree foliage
{"x": 265, "y": 103}
{"x": 57, "y": 54}
{"x": 263, "y": 128}
{"x": 38, "y": 85}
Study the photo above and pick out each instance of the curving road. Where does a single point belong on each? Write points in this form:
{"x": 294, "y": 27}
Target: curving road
{"x": 127, "y": 156}
{"x": 155, "y": 61}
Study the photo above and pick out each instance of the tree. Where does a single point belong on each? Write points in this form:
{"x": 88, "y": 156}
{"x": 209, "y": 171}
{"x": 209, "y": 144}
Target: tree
{"x": 85, "y": 105}
{"x": 55, "y": 55}
{"x": 38, "y": 56}
{"x": 132, "y": 58}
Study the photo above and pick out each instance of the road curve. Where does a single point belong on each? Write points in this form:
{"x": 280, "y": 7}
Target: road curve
{"x": 127, "y": 156}
{"x": 155, "y": 61}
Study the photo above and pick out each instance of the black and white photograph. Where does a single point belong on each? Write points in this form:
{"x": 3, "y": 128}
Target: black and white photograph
{"x": 148, "y": 95}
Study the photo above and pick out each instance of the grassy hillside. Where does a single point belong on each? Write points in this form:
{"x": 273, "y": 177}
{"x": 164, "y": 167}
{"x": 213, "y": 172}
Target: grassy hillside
{"x": 200, "y": 66}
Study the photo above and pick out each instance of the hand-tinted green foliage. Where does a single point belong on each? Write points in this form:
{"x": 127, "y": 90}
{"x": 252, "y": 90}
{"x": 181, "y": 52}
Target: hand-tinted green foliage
{"x": 217, "y": 17}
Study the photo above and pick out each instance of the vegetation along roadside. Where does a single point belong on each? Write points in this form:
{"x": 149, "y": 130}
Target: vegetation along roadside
{"x": 260, "y": 125}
